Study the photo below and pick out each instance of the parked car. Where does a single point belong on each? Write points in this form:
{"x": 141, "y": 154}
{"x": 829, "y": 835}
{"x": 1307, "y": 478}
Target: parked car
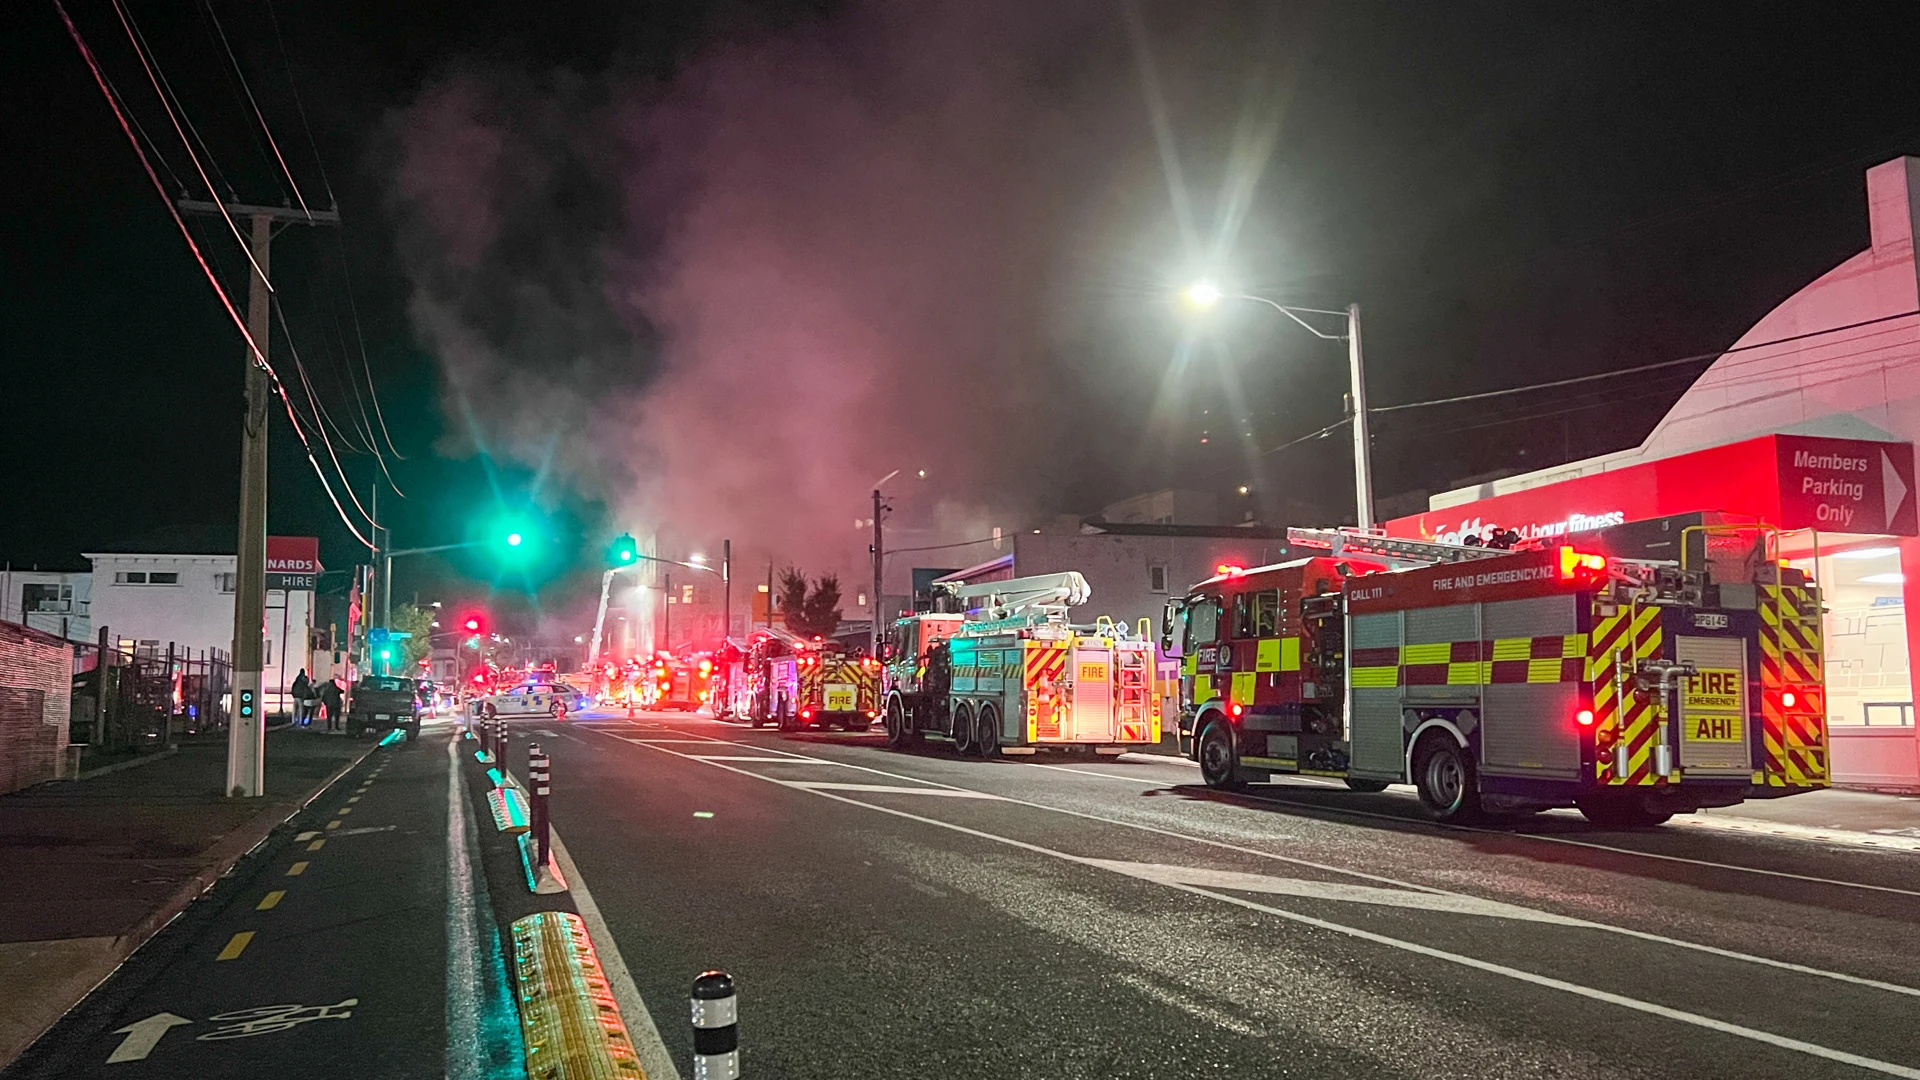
{"x": 383, "y": 702}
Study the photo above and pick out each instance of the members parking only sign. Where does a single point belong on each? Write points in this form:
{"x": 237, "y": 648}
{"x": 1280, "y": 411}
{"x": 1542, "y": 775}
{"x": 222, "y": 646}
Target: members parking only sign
{"x": 293, "y": 563}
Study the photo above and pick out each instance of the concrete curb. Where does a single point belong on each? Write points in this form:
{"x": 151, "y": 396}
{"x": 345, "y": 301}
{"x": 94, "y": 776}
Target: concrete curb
{"x": 243, "y": 842}
{"x": 130, "y": 763}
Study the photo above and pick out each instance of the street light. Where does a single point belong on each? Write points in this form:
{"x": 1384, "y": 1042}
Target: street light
{"x": 1204, "y": 294}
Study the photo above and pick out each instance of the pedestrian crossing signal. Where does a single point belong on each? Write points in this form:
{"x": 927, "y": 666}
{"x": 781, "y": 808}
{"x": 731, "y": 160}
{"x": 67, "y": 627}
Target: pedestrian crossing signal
{"x": 246, "y": 704}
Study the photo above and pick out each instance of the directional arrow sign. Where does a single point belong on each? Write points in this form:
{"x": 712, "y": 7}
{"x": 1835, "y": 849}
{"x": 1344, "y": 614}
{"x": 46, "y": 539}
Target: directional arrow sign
{"x": 143, "y": 1036}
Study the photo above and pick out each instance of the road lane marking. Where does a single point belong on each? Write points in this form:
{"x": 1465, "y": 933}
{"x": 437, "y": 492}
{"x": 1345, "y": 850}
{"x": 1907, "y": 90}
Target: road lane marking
{"x": 650, "y": 742}
{"x": 1635, "y": 1004}
{"x": 267, "y": 1019}
{"x": 317, "y": 844}
{"x": 344, "y": 810}
{"x": 271, "y": 900}
{"x": 1307, "y": 889}
{"x": 296, "y": 869}
{"x": 353, "y": 798}
{"x": 479, "y": 1014}
{"x": 306, "y": 836}
{"x": 236, "y": 945}
{"x": 885, "y": 789}
{"x": 744, "y": 757}
{"x": 1623, "y": 931}
{"x": 334, "y": 824}
{"x": 142, "y": 1036}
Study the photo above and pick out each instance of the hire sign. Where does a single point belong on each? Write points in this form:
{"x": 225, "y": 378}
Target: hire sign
{"x": 293, "y": 563}
{"x": 1792, "y": 481}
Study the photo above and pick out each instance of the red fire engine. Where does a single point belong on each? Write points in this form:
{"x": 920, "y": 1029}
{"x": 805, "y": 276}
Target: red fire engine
{"x": 797, "y": 683}
{"x": 1505, "y": 681}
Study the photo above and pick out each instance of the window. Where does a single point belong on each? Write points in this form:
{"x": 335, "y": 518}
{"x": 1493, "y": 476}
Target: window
{"x": 53, "y": 598}
{"x": 1266, "y": 613}
{"x": 159, "y": 577}
{"x": 686, "y": 594}
{"x": 224, "y": 582}
{"x": 1243, "y": 616}
{"x": 1156, "y": 579}
{"x": 130, "y": 577}
{"x": 1203, "y": 622}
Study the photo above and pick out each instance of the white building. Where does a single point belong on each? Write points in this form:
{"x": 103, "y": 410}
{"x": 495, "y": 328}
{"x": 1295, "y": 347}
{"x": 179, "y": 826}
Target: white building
{"x": 148, "y": 602}
{"x": 50, "y": 601}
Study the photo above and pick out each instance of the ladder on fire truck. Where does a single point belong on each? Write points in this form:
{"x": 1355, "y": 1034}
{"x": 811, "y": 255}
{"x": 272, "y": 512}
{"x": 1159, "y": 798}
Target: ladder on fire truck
{"x": 1041, "y": 595}
{"x": 1362, "y": 544}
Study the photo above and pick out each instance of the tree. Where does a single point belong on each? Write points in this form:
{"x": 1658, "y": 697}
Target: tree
{"x": 418, "y": 622}
{"x": 809, "y": 611}
{"x": 823, "y": 606}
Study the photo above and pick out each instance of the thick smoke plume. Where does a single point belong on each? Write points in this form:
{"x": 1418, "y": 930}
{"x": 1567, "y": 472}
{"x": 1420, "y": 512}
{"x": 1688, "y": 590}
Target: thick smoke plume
{"x": 725, "y": 304}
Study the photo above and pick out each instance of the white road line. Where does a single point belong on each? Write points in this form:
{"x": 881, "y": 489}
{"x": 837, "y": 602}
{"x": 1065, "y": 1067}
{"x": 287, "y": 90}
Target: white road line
{"x": 883, "y": 789}
{"x": 1623, "y": 931}
{"x": 644, "y": 742}
{"x": 1695, "y": 1019}
{"x": 466, "y": 1049}
{"x": 654, "y": 1058}
{"x": 1584, "y": 844}
{"x": 746, "y": 757}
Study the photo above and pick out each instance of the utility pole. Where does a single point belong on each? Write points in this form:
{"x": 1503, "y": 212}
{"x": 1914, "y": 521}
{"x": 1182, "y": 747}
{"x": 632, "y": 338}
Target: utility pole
{"x": 666, "y": 613}
{"x": 247, "y": 727}
{"x": 879, "y": 510}
{"x": 726, "y": 589}
{"x": 1362, "y": 443}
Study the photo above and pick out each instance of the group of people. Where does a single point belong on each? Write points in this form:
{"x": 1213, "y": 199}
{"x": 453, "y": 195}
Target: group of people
{"x": 310, "y": 698}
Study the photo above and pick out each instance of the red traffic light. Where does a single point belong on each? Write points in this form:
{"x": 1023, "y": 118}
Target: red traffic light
{"x": 474, "y": 623}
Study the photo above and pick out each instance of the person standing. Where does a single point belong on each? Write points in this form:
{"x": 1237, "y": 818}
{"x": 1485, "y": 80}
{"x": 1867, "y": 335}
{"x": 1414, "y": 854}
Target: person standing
{"x": 303, "y": 698}
{"x": 332, "y": 700}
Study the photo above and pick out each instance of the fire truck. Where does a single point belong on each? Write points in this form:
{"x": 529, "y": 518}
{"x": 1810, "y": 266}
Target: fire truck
{"x": 1009, "y": 674}
{"x": 1505, "y": 681}
{"x": 797, "y": 683}
{"x": 731, "y": 689}
{"x": 676, "y": 682}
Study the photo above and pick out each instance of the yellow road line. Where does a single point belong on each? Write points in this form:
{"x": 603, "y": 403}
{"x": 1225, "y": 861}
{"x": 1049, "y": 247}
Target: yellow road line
{"x": 334, "y": 824}
{"x": 269, "y": 901}
{"x": 353, "y": 798}
{"x": 296, "y": 869}
{"x": 236, "y": 945}
{"x": 315, "y": 846}
{"x": 346, "y": 810}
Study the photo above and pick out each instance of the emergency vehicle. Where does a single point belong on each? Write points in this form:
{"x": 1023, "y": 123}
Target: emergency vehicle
{"x": 1506, "y": 681}
{"x": 1010, "y": 674}
{"x": 798, "y": 683}
{"x": 731, "y": 690}
{"x": 676, "y": 682}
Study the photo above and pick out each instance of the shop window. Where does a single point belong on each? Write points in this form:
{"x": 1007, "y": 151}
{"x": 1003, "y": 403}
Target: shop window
{"x": 1864, "y": 636}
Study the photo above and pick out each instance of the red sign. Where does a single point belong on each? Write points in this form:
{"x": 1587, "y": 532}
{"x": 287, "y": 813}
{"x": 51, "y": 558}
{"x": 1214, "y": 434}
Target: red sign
{"x": 1504, "y": 577}
{"x": 1792, "y": 481}
{"x": 293, "y": 554}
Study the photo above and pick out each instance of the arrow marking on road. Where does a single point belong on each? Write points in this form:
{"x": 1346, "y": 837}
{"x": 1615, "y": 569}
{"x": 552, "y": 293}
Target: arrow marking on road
{"x": 142, "y": 1036}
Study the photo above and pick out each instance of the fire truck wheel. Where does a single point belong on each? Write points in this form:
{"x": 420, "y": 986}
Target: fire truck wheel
{"x": 787, "y": 722}
{"x": 1444, "y": 774}
{"x": 963, "y": 729}
{"x": 1219, "y": 759}
{"x": 986, "y": 733}
{"x": 896, "y": 725}
{"x": 1368, "y": 786}
{"x": 1618, "y": 812}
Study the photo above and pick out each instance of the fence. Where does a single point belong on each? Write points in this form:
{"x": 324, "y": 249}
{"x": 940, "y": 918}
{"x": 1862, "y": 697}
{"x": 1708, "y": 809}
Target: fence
{"x": 135, "y": 699}
{"x": 33, "y": 707}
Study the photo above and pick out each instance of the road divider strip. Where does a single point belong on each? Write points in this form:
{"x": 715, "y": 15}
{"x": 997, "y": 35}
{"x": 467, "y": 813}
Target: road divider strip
{"x": 509, "y": 810}
{"x": 569, "y": 1019}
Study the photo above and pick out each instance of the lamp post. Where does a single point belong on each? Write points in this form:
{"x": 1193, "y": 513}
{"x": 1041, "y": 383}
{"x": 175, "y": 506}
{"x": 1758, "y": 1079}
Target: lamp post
{"x": 1205, "y": 294}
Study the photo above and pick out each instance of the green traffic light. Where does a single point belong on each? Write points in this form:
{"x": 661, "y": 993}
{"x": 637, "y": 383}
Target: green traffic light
{"x": 625, "y": 548}
{"x": 514, "y": 539}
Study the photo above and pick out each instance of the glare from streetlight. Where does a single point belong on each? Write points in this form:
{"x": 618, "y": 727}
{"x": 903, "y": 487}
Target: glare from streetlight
{"x": 1203, "y": 294}
{"x": 923, "y": 474}
{"x": 696, "y": 558}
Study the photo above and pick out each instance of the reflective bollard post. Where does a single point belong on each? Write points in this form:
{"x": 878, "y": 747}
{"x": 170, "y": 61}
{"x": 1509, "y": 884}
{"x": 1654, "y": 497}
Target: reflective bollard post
{"x": 716, "y": 1038}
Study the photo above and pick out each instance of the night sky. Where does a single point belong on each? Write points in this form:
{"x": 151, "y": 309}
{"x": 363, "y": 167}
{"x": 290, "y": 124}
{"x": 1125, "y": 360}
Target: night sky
{"x": 619, "y": 261}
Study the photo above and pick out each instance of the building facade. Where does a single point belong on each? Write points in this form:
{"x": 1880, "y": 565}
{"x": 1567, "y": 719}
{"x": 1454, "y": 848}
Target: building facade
{"x": 50, "y": 601}
{"x": 147, "y": 603}
{"x": 1806, "y": 424}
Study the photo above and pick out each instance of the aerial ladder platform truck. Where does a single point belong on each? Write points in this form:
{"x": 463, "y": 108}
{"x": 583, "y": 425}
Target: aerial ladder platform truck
{"x": 1502, "y": 682}
{"x": 999, "y": 669}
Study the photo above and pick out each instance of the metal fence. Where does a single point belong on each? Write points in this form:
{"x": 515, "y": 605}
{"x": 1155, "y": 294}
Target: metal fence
{"x": 135, "y": 699}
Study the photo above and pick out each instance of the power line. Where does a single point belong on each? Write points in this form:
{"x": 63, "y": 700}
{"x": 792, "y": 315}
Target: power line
{"x": 943, "y": 547}
{"x": 1694, "y": 359}
{"x": 354, "y": 307}
{"x": 299, "y": 106}
{"x": 207, "y": 7}
{"x": 158, "y": 81}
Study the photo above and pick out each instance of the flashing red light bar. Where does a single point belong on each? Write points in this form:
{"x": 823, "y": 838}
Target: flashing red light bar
{"x": 1235, "y": 709}
{"x": 1787, "y": 698}
{"x": 1584, "y": 718}
{"x": 1574, "y": 564}
{"x": 1229, "y": 570}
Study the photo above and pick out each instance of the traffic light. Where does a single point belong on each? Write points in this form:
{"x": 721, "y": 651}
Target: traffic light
{"x": 474, "y": 623}
{"x": 625, "y": 551}
{"x": 247, "y": 703}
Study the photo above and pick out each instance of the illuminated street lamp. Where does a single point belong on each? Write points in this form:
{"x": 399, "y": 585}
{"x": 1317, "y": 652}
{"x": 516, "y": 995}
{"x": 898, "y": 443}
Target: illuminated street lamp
{"x": 1204, "y": 294}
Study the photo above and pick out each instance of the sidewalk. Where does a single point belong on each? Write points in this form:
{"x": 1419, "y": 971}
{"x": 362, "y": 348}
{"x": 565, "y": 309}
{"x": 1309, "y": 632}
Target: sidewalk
{"x": 94, "y": 867}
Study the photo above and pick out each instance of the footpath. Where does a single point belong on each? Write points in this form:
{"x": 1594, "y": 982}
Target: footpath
{"x": 95, "y": 867}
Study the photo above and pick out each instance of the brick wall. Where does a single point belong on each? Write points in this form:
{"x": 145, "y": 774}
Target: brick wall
{"x": 36, "y": 673}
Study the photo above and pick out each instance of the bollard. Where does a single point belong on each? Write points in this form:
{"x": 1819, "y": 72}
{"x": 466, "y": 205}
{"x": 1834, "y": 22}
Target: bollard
{"x": 716, "y": 1039}
{"x": 538, "y": 773}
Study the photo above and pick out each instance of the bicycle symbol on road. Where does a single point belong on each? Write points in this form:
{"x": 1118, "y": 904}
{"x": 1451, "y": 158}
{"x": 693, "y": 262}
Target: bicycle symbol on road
{"x": 270, "y": 1018}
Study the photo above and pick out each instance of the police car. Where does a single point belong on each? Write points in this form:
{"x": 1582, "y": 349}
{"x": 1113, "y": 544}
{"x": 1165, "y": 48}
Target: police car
{"x": 529, "y": 699}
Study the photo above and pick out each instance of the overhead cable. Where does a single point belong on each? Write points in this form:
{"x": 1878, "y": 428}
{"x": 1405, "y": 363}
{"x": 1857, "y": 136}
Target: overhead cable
{"x": 207, "y": 7}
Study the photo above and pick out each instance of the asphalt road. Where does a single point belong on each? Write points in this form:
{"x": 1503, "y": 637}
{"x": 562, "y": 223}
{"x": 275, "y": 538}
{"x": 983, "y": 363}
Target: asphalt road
{"x": 911, "y": 914}
{"x": 356, "y": 941}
